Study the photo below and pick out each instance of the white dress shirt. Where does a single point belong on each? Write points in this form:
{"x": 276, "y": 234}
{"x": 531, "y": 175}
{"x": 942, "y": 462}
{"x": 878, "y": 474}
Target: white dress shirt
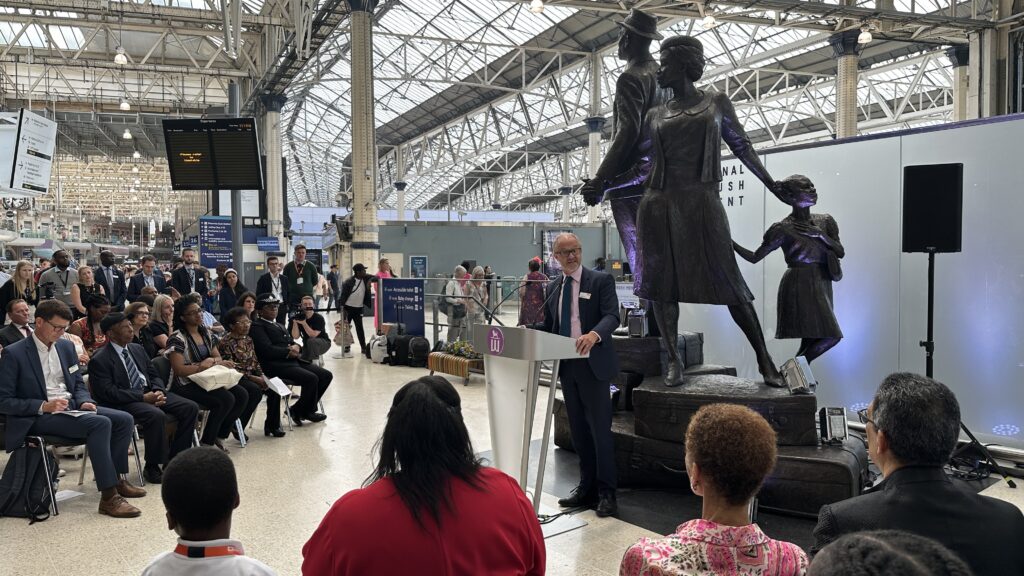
{"x": 120, "y": 356}
{"x": 53, "y": 371}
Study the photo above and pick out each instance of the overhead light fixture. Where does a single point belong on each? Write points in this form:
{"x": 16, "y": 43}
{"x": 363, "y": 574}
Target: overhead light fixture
{"x": 120, "y": 58}
{"x": 137, "y": 182}
{"x": 127, "y": 135}
{"x": 865, "y": 35}
{"x": 135, "y": 169}
{"x": 708, "y": 22}
{"x": 124, "y": 105}
{"x": 136, "y": 154}
{"x": 537, "y": 6}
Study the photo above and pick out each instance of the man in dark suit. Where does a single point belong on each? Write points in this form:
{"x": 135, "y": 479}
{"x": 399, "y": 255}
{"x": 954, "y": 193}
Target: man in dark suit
{"x": 39, "y": 379}
{"x": 121, "y": 376}
{"x": 355, "y": 294}
{"x": 279, "y": 357}
{"x": 111, "y": 278}
{"x": 912, "y": 428}
{"x": 19, "y": 328}
{"x": 148, "y": 276}
{"x": 582, "y": 305}
{"x": 273, "y": 282}
{"x": 190, "y": 277}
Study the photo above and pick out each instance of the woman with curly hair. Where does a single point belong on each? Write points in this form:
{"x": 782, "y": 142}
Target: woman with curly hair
{"x": 730, "y": 449}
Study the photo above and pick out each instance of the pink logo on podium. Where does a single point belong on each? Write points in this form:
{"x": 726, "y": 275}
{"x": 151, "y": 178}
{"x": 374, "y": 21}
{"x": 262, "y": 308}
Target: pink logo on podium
{"x": 495, "y": 341}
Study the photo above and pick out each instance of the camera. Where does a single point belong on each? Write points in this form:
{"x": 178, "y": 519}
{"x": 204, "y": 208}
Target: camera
{"x": 46, "y": 290}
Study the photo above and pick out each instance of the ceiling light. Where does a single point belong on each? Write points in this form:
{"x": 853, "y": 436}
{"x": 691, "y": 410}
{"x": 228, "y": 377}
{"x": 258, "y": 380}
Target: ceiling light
{"x": 708, "y": 22}
{"x": 136, "y": 154}
{"x": 120, "y": 58}
{"x": 537, "y": 6}
{"x": 135, "y": 169}
{"x": 127, "y": 134}
{"x": 865, "y": 35}
{"x": 124, "y": 105}
{"x": 137, "y": 181}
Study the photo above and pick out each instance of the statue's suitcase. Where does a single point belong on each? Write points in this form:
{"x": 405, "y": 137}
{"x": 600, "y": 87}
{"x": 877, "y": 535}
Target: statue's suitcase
{"x": 691, "y": 350}
{"x": 639, "y": 355}
{"x": 806, "y": 478}
{"x": 663, "y": 413}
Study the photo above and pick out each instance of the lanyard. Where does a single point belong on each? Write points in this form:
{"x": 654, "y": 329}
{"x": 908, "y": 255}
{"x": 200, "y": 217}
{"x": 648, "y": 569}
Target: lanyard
{"x": 207, "y": 551}
{"x": 63, "y": 280}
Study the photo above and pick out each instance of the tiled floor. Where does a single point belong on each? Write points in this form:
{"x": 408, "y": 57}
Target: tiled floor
{"x": 286, "y": 486}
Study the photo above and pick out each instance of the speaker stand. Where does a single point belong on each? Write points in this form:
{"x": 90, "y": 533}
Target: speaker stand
{"x": 929, "y": 367}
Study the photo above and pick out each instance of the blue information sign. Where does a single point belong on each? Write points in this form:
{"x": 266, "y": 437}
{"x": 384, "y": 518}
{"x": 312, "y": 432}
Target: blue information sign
{"x": 268, "y": 243}
{"x": 215, "y": 241}
{"x": 418, "y": 266}
{"x": 405, "y": 302}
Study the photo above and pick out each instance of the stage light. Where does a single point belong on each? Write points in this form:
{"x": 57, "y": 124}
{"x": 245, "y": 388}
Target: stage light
{"x": 120, "y": 58}
{"x": 865, "y": 35}
{"x": 127, "y": 135}
{"x": 124, "y": 105}
{"x": 708, "y": 22}
{"x": 537, "y": 6}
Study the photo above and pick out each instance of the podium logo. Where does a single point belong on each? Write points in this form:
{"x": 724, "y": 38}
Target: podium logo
{"x": 495, "y": 341}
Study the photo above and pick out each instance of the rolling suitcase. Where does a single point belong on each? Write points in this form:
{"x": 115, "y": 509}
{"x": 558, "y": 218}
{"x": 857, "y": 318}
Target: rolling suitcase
{"x": 806, "y": 478}
{"x": 663, "y": 413}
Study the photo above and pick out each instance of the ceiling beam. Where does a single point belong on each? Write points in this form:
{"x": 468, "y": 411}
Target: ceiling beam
{"x": 145, "y": 10}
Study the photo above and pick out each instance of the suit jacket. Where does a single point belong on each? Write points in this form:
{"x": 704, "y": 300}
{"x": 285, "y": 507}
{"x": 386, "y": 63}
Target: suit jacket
{"x": 599, "y": 313}
{"x": 348, "y": 286}
{"x": 271, "y": 342}
{"x": 108, "y": 377}
{"x": 23, "y": 390}
{"x": 138, "y": 282}
{"x": 265, "y": 286}
{"x": 117, "y": 293}
{"x": 10, "y": 334}
{"x": 179, "y": 280}
{"x": 985, "y": 532}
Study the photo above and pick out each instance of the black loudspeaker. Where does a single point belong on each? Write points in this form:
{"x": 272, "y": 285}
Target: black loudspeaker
{"x": 933, "y": 203}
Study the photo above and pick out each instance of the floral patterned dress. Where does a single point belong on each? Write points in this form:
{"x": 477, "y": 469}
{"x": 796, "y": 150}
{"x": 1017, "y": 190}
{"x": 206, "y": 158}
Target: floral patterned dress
{"x": 92, "y": 339}
{"x": 702, "y": 547}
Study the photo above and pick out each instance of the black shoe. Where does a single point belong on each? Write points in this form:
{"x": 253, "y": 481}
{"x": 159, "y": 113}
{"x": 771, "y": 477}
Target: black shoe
{"x": 315, "y": 417}
{"x": 296, "y": 419}
{"x": 275, "y": 432}
{"x": 606, "y": 505}
{"x": 234, "y": 432}
{"x": 579, "y": 499}
{"x": 152, "y": 474}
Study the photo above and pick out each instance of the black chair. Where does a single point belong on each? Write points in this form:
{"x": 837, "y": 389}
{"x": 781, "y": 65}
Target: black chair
{"x": 44, "y": 443}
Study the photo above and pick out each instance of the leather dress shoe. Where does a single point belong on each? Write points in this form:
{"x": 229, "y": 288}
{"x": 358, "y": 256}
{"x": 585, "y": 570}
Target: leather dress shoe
{"x": 125, "y": 489}
{"x": 275, "y": 432}
{"x": 578, "y": 499}
{"x": 315, "y": 417}
{"x": 153, "y": 475}
{"x": 607, "y": 505}
{"x": 118, "y": 507}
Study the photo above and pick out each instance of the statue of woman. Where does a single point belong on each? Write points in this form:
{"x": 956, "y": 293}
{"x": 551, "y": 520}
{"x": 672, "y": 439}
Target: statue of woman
{"x": 684, "y": 243}
{"x": 812, "y": 248}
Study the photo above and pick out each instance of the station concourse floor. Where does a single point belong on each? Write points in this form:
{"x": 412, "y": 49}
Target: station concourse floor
{"x": 286, "y": 486}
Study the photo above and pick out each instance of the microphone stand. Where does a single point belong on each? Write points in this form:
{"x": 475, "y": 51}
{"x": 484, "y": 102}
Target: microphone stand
{"x": 493, "y": 311}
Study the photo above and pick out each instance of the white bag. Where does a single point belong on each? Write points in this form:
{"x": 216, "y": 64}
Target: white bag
{"x": 216, "y": 376}
{"x": 378, "y": 349}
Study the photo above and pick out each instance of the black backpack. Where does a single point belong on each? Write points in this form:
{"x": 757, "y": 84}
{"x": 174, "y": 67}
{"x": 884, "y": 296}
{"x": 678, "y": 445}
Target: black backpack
{"x": 419, "y": 349}
{"x": 23, "y": 489}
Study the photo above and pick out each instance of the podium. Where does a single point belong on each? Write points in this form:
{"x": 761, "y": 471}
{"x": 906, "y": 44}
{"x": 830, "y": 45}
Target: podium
{"x": 512, "y": 367}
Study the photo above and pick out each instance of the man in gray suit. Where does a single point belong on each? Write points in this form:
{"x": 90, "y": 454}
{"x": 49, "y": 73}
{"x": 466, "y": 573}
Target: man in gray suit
{"x": 39, "y": 381}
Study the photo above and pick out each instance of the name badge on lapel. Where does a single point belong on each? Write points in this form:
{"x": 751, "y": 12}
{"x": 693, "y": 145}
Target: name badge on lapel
{"x": 584, "y": 295}
{"x": 72, "y": 369}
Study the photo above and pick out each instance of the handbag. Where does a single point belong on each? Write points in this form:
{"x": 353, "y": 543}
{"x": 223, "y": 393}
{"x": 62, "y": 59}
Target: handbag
{"x": 835, "y": 271}
{"x": 215, "y": 377}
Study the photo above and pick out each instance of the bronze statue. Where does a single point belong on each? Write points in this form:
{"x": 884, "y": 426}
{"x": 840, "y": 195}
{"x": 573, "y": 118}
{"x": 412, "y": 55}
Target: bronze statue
{"x": 627, "y": 163}
{"x": 812, "y": 248}
{"x": 684, "y": 245}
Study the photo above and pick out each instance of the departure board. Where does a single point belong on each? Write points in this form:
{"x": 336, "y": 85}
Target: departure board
{"x": 213, "y": 154}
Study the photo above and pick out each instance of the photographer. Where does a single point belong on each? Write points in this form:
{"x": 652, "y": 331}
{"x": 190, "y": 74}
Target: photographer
{"x": 312, "y": 328}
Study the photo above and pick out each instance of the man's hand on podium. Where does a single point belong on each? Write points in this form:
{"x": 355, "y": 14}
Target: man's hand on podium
{"x": 586, "y": 342}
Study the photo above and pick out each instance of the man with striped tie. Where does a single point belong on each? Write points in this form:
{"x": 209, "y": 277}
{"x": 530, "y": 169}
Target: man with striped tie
{"x": 121, "y": 376}
{"x": 581, "y": 304}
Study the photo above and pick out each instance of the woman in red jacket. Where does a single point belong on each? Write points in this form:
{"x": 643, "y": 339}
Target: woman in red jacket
{"x": 430, "y": 507}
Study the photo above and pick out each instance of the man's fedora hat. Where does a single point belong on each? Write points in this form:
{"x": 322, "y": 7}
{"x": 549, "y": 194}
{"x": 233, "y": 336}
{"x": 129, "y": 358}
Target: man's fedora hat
{"x": 641, "y": 24}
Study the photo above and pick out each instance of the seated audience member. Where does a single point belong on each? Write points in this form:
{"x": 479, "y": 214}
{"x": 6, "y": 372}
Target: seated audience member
{"x": 20, "y": 326}
{"x": 191, "y": 350}
{"x": 312, "y": 328}
{"x": 912, "y": 427}
{"x": 39, "y": 376}
{"x": 82, "y": 289}
{"x": 88, "y": 329}
{"x": 428, "y": 493}
{"x": 237, "y": 346}
{"x": 138, "y": 314}
{"x": 148, "y": 277}
{"x": 279, "y": 356}
{"x": 83, "y": 357}
{"x": 122, "y": 377}
{"x": 885, "y": 552}
{"x": 247, "y": 301}
{"x": 200, "y": 492}
{"x": 161, "y": 320}
{"x": 730, "y": 450}
{"x": 231, "y": 289}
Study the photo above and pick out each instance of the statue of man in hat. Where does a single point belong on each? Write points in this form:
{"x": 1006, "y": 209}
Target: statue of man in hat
{"x": 627, "y": 163}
